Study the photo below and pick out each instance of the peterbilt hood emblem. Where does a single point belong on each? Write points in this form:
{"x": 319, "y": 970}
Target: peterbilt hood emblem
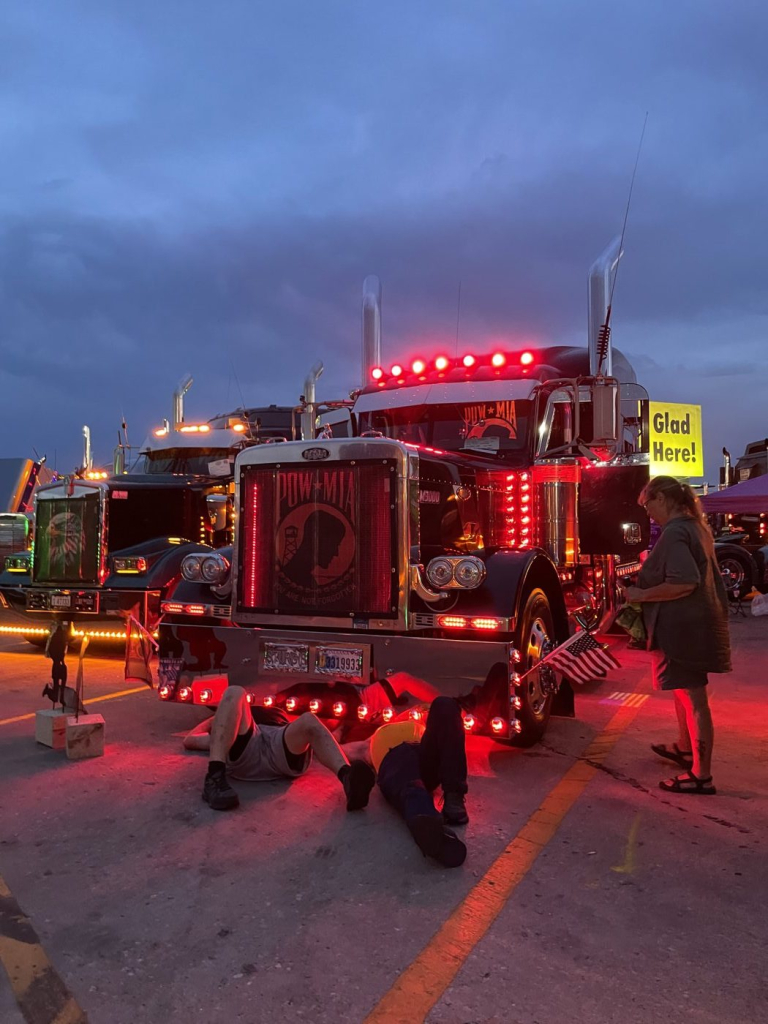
{"x": 315, "y": 454}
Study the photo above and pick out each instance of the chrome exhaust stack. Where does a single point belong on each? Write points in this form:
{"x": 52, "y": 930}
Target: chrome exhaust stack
{"x": 371, "y": 327}
{"x": 178, "y": 400}
{"x": 600, "y": 274}
{"x": 87, "y": 456}
{"x": 309, "y": 402}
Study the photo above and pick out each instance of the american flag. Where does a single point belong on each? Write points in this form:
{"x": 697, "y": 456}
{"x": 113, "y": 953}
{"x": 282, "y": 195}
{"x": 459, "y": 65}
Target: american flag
{"x": 582, "y": 658}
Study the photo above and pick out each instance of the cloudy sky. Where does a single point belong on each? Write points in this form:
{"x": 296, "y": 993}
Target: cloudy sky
{"x": 188, "y": 186}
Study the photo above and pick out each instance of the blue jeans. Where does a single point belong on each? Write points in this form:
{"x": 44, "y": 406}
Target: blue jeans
{"x": 410, "y": 772}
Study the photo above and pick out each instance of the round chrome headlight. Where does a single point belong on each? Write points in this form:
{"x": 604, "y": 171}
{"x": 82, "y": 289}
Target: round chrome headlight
{"x": 192, "y": 568}
{"x": 440, "y": 572}
{"x": 215, "y": 568}
{"x": 469, "y": 573}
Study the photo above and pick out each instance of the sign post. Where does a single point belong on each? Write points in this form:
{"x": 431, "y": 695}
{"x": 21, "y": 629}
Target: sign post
{"x": 675, "y": 441}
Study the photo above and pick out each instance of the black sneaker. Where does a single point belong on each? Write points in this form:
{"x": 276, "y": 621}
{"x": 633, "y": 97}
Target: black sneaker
{"x": 454, "y": 809}
{"x": 218, "y": 793}
{"x": 358, "y": 783}
{"x": 436, "y": 841}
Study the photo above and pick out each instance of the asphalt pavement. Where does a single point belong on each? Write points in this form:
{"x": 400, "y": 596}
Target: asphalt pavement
{"x": 588, "y": 895}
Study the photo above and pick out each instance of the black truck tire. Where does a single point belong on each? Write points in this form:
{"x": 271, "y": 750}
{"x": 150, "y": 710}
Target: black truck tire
{"x": 736, "y": 569}
{"x": 535, "y": 631}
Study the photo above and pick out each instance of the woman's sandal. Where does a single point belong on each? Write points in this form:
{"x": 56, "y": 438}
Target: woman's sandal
{"x": 682, "y": 757}
{"x": 689, "y": 783}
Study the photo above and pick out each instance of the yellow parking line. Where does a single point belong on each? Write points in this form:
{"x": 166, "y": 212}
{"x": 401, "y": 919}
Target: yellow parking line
{"x": 42, "y": 996}
{"x": 422, "y": 984}
{"x": 91, "y": 700}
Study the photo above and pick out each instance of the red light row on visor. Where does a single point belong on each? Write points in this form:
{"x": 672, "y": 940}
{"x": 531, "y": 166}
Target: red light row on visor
{"x": 440, "y": 363}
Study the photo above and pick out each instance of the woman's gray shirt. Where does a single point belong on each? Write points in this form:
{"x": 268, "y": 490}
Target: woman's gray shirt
{"x": 692, "y": 629}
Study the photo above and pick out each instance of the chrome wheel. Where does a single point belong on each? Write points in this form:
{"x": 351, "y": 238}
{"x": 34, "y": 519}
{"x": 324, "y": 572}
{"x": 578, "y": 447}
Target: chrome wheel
{"x": 539, "y": 683}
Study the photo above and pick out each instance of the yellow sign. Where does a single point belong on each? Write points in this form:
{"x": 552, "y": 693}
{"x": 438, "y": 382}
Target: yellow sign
{"x": 675, "y": 439}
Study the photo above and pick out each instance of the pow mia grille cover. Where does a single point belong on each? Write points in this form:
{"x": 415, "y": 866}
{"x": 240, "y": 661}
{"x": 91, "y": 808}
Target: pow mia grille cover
{"x": 318, "y": 540}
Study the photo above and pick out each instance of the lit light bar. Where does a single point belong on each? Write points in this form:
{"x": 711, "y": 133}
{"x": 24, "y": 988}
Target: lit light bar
{"x": 24, "y": 630}
{"x": 470, "y": 622}
{"x": 195, "y": 428}
{"x": 129, "y": 566}
{"x": 96, "y": 474}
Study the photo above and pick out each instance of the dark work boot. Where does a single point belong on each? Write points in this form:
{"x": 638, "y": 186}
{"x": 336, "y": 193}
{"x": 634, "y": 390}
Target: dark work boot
{"x": 218, "y": 793}
{"x": 358, "y": 783}
{"x": 436, "y": 841}
{"x": 454, "y": 809}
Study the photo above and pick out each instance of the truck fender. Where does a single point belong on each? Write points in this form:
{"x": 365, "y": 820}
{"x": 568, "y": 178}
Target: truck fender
{"x": 512, "y": 575}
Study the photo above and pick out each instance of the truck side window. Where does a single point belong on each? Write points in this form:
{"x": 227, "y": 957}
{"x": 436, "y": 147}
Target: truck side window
{"x": 561, "y": 430}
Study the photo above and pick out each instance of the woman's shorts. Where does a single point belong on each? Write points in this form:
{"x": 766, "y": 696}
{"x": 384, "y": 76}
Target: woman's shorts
{"x": 669, "y": 674}
{"x": 267, "y": 757}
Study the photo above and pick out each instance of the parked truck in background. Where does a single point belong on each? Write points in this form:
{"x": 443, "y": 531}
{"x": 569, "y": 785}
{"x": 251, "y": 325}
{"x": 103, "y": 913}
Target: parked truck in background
{"x": 107, "y": 546}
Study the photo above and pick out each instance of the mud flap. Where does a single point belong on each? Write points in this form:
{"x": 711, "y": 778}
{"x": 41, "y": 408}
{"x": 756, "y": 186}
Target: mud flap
{"x": 564, "y": 704}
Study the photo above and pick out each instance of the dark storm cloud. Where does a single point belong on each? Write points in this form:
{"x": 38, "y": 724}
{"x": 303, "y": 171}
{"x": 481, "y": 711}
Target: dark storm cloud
{"x": 190, "y": 187}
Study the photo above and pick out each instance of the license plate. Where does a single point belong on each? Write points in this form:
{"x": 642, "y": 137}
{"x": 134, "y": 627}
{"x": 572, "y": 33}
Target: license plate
{"x": 339, "y": 661}
{"x": 61, "y": 600}
{"x": 286, "y": 658}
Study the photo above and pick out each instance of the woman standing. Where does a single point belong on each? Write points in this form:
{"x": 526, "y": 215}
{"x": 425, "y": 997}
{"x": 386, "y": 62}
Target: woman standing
{"x": 685, "y": 609}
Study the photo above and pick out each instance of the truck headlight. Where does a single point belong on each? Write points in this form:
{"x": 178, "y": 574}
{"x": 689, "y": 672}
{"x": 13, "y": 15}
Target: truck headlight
{"x": 205, "y": 568}
{"x": 440, "y": 572}
{"x": 456, "y": 573}
{"x": 215, "y": 568}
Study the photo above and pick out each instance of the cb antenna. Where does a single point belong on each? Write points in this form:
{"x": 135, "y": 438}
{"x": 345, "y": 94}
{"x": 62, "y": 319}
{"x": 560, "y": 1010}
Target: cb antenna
{"x": 604, "y": 334}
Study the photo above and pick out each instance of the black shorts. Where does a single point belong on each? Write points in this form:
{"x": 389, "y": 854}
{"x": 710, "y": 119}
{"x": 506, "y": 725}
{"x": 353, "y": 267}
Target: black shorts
{"x": 669, "y": 674}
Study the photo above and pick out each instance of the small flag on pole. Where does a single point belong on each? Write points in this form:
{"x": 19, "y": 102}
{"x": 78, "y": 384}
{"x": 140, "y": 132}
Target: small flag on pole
{"x": 582, "y": 659}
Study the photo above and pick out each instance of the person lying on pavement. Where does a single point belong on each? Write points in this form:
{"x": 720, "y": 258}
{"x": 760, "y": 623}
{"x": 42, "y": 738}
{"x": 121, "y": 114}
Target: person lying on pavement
{"x": 239, "y": 748}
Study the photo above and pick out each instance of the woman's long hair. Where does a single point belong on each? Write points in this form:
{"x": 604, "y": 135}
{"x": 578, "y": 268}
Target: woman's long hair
{"x": 678, "y": 494}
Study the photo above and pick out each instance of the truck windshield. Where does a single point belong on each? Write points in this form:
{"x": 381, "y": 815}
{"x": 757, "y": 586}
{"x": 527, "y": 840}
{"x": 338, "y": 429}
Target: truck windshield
{"x": 186, "y": 461}
{"x": 503, "y": 426}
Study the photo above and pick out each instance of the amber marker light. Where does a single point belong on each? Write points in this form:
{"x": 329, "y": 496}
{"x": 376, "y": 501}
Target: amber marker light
{"x": 377, "y": 373}
{"x": 442, "y": 363}
{"x": 498, "y": 359}
{"x": 526, "y": 358}
{"x": 468, "y": 361}
{"x": 418, "y": 366}
{"x": 239, "y": 428}
{"x": 396, "y": 370}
